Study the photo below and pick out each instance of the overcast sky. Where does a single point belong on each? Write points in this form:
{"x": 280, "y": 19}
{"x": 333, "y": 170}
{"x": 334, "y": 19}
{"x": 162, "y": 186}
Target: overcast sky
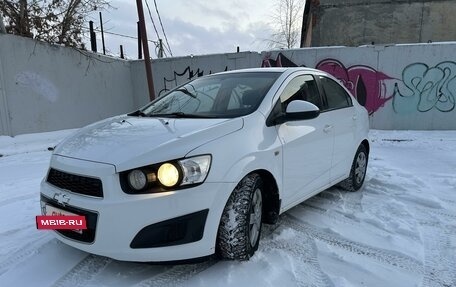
{"x": 192, "y": 27}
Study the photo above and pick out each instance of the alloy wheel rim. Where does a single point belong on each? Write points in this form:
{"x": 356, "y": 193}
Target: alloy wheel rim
{"x": 360, "y": 168}
{"x": 255, "y": 217}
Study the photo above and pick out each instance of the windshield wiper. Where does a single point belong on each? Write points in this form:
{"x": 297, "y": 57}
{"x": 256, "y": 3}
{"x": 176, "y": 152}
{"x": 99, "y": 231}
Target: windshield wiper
{"x": 137, "y": 113}
{"x": 185, "y": 91}
{"x": 180, "y": 115}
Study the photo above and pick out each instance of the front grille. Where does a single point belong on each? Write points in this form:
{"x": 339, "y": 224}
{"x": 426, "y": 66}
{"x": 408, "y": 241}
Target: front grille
{"x": 75, "y": 183}
{"x": 87, "y": 235}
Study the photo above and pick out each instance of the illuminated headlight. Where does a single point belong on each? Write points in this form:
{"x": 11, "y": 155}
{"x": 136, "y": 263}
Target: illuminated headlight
{"x": 195, "y": 169}
{"x": 188, "y": 171}
{"x": 168, "y": 175}
{"x": 160, "y": 177}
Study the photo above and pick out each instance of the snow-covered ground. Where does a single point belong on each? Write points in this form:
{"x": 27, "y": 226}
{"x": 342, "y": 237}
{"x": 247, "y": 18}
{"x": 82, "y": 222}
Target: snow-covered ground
{"x": 400, "y": 230}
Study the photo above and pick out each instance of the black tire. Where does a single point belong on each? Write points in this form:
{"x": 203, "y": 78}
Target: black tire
{"x": 236, "y": 239}
{"x": 358, "y": 170}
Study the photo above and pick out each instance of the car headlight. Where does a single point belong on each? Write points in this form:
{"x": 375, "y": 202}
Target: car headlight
{"x": 195, "y": 169}
{"x": 160, "y": 177}
{"x": 168, "y": 175}
{"x": 137, "y": 179}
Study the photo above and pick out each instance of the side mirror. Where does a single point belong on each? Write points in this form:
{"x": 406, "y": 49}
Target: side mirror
{"x": 296, "y": 110}
{"x": 301, "y": 110}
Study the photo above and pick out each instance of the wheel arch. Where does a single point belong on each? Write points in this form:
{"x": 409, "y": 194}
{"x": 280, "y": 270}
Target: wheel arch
{"x": 271, "y": 196}
{"x": 366, "y": 144}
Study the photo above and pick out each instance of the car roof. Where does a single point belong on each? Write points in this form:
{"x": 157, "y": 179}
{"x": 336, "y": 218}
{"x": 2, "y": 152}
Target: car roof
{"x": 272, "y": 70}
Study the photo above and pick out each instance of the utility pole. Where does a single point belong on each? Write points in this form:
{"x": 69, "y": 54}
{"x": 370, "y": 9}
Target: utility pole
{"x": 121, "y": 52}
{"x": 102, "y": 35}
{"x": 142, "y": 24}
{"x": 93, "y": 37}
{"x": 139, "y": 42}
{"x": 160, "y": 48}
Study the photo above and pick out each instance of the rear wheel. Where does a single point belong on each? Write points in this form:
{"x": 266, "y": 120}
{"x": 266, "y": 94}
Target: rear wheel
{"x": 240, "y": 226}
{"x": 358, "y": 171}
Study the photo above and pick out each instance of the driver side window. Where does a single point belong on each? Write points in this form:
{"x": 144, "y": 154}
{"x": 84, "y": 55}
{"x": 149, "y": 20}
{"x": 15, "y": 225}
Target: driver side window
{"x": 303, "y": 88}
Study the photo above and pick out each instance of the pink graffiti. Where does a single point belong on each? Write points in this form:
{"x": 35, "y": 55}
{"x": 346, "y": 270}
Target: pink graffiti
{"x": 365, "y": 83}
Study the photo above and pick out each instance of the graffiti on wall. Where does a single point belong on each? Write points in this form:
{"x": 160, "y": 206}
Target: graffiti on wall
{"x": 181, "y": 77}
{"x": 365, "y": 83}
{"x": 426, "y": 88}
{"x": 422, "y": 88}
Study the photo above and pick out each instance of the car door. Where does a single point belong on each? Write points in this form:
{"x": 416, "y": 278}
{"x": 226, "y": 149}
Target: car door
{"x": 339, "y": 105}
{"x": 307, "y": 144}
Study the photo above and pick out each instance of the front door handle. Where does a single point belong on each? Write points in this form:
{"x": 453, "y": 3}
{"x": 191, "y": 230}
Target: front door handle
{"x": 327, "y": 128}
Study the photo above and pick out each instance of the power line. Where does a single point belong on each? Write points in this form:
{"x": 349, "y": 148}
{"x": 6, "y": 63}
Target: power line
{"x": 120, "y": 35}
{"x": 152, "y": 19}
{"x": 163, "y": 29}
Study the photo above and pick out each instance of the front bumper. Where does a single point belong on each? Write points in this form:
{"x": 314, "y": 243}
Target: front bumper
{"x": 117, "y": 218}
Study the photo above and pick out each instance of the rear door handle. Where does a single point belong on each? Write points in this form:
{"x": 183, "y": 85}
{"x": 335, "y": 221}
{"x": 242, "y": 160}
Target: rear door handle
{"x": 327, "y": 128}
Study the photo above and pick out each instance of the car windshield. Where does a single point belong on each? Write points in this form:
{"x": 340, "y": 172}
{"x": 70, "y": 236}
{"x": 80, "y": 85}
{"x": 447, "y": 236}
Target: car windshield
{"x": 217, "y": 96}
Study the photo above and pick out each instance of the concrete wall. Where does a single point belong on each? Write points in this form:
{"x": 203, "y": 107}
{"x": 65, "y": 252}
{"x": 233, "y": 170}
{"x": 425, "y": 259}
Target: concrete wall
{"x": 45, "y": 87}
{"x": 402, "y": 86}
{"x": 360, "y": 22}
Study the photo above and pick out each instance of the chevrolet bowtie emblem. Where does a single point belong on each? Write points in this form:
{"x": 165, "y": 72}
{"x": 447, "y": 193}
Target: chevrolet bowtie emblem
{"x": 61, "y": 198}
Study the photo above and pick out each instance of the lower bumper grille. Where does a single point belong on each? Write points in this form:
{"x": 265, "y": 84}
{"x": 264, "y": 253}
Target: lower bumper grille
{"x": 180, "y": 230}
{"x": 87, "y": 235}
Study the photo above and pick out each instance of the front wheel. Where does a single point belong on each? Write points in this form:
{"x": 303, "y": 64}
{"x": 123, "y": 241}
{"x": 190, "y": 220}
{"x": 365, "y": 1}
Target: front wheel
{"x": 358, "y": 170}
{"x": 240, "y": 225}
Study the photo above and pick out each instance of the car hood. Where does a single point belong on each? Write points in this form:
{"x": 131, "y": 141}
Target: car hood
{"x": 129, "y": 142}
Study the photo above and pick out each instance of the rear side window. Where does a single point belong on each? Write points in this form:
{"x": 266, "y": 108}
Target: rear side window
{"x": 336, "y": 96}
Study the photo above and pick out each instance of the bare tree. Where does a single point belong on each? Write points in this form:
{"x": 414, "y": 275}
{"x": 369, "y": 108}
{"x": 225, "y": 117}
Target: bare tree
{"x": 286, "y": 23}
{"x": 55, "y": 21}
{"x": 2, "y": 25}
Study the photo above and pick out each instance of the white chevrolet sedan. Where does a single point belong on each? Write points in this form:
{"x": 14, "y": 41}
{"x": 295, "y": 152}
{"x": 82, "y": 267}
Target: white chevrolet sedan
{"x": 200, "y": 169}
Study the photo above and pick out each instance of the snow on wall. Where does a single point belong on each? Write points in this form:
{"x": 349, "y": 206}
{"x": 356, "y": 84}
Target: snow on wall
{"x": 45, "y": 87}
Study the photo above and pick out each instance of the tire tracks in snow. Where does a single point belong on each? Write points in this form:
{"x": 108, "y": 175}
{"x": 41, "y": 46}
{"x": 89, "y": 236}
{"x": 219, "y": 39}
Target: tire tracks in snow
{"x": 439, "y": 250}
{"x": 437, "y": 212}
{"x": 436, "y": 227}
{"x": 83, "y": 272}
{"x": 309, "y": 272}
{"x": 87, "y": 269}
{"x": 176, "y": 275}
{"x": 439, "y": 259}
{"x": 320, "y": 206}
{"x": 16, "y": 199}
{"x": 339, "y": 217}
{"x": 383, "y": 256}
{"x": 24, "y": 253}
